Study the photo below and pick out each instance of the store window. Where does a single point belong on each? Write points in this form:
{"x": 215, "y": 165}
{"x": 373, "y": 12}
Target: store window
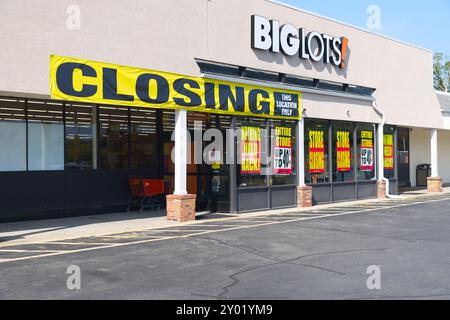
{"x": 208, "y": 133}
{"x": 80, "y": 137}
{"x": 316, "y": 151}
{"x": 342, "y": 144}
{"x": 253, "y": 162}
{"x": 197, "y": 123}
{"x": 365, "y": 152}
{"x": 113, "y": 137}
{"x": 283, "y": 148}
{"x": 143, "y": 139}
{"x": 389, "y": 152}
{"x": 12, "y": 135}
{"x": 168, "y": 126}
{"x": 45, "y": 136}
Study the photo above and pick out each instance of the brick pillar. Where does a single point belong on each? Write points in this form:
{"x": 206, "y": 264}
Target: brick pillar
{"x": 181, "y": 208}
{"x": 304, "y": 197}
{"x": 434, "y": 184}
{"x": 381, "y": 189}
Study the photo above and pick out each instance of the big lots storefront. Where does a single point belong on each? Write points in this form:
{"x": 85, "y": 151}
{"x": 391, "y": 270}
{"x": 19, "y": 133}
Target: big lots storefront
{"x": 262, "y": 113}
{"x": 220, "y": 146}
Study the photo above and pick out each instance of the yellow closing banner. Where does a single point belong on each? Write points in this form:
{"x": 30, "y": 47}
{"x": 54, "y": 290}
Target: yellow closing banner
{"x": 104, "y": 83}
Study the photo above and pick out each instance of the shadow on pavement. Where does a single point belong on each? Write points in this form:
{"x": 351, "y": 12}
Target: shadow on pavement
{"x": 10, "y": 231}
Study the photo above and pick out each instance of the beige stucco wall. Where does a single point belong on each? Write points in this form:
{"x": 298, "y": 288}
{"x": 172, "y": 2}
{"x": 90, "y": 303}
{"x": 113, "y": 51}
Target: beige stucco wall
{"x": 159, "y": 34}
{"x": 420, "y": 152}
{"x": 338, "y": 108}
{"x": 168, "y": 34}
{"x": 446, "y": 120}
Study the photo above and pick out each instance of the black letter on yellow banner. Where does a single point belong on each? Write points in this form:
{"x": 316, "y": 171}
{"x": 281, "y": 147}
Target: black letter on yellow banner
{"x": 263, "y": 107}
{"x": 210, "y": 99}
{"x": 143, "y": 84}
{"x": 226, "y": 95}
{"x": 110, "y": 86}
{"x": 194, "y": 98}
{"x": 64, "y": 79}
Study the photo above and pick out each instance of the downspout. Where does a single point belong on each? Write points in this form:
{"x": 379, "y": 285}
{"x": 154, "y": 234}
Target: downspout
{"x": 380, "y": 152}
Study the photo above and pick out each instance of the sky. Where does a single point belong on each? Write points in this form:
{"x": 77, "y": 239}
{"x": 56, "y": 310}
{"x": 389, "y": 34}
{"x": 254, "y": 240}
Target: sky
{"x": 423, "y": 23}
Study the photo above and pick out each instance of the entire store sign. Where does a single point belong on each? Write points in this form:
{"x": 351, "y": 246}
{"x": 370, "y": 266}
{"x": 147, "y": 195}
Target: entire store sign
{"x": 268, "y": 35}
{"x": 367, "y": 163}
{"x": 104, "y": 83}
{"x": 343, "y": 157}
{"x": 250, "y": 150}
{"x": 283, "y": 151}
{"x": 316, "y": 151}
{"x": 388, "y": 141}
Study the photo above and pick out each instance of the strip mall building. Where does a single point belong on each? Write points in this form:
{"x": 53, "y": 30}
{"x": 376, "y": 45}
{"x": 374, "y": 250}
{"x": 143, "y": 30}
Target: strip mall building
{"x": 95, "y": 93}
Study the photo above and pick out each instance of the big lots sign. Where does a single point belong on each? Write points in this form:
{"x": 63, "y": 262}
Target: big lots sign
{"x": 268, "y": 35}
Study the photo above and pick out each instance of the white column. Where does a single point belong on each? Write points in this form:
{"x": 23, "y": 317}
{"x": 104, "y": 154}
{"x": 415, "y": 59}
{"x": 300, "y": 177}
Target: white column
{"x": 180, "y": 152}
{"x": 301, "y": 152}
{"x": 380, "y": 149}
{"x": 434, "y": 153}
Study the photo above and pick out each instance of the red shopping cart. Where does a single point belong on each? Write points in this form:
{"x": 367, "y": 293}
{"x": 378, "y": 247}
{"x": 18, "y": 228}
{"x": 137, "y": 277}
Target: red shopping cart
{"x": 146, "y": 193}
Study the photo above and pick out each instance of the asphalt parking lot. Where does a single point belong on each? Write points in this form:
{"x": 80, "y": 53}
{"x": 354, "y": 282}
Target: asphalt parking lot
{"x": 317, "y": 254}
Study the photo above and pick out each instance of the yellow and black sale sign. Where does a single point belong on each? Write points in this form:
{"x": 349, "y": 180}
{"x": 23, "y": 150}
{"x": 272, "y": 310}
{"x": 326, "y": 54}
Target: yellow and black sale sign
{"x": 316, "y": 151}
{"x": 366, "y": 160}
{"x": 283, "y": 151}
{"x": 250, "y": 150}
{"x": 104, "y": 83}
{"x": 343, "y": 156}
{"x": 388, "y": 141}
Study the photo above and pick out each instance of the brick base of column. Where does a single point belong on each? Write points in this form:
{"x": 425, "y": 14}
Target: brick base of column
{"x": 381, "y": 189}
{"x": 434, "y": 184}
{"x": 180, "y": 208}
{"x": 304, "y": 197}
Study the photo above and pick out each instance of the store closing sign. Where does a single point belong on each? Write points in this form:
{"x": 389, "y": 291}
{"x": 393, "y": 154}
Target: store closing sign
{"x": 388, "y": 141}
{"x": 250, "y": 150}
{"x": 343, "y": 157}
{"x": 97, "y": 82}
{"x": 283, "y": 151}
{"x": 367, "y": 158}
{"x": 316, "y": 151}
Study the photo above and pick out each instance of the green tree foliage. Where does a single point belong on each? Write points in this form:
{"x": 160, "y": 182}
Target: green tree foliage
{"x": 441, "y": 72}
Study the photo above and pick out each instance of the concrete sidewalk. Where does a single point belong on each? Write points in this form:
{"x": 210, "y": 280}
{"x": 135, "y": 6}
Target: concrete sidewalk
{"x": 13, "y": 233}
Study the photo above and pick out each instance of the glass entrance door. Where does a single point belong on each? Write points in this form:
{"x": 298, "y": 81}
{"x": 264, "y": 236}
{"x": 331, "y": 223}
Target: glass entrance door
{"x": 208, "y": 173}
{"x": 212, "y": 182}
{"x": 403, "y": 158}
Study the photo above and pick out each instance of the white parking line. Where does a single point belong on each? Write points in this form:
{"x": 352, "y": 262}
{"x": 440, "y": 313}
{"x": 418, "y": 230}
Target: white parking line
{"x": 125, "y": 237}
{"x": 79, "y": 243}
{"x": 30, "y": 250}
